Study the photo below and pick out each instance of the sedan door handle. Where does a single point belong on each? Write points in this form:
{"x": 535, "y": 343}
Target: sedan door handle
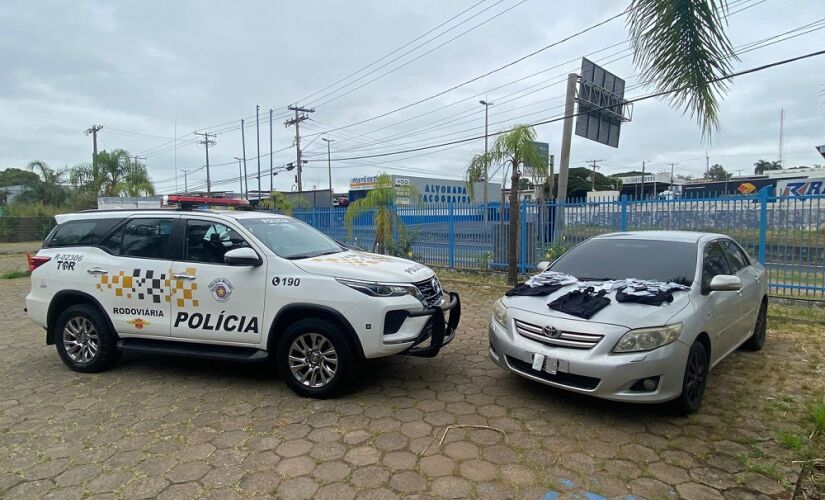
{"x": 97, "y": 270}
{"x": 183, "y": 276}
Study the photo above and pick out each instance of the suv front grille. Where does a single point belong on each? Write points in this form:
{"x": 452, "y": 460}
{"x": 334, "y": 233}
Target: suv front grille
{"x": 431, "y": 291}
{"x": 557, "y": 338}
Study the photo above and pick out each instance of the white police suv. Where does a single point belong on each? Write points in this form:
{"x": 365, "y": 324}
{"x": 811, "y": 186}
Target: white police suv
{"x": 243, "y": 286}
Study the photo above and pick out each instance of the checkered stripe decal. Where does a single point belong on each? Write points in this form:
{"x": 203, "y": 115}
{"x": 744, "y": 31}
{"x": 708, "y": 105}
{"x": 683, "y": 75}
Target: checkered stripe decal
{"x": 145, "y": 284}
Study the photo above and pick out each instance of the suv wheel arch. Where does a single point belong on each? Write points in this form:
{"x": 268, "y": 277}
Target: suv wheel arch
{"x": 68, "y": 298}
{"x": 294, "y": 312}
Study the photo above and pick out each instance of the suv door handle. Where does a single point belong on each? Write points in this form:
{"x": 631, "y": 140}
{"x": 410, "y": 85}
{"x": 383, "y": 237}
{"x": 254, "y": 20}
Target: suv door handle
{"x": 183, "y": 276}
{"x": 97, "y": 270}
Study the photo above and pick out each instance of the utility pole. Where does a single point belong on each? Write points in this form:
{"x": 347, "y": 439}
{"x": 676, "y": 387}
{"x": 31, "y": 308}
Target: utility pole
{"x": 208, "y": 140}
{"x": 671, "y": 175}
{"x": 93, "y": 130}
{"x": 593, "y": 177}
{"x": 782, "y": 137}
{"x": 137, "y": 158}
{"x": 329, "y": 168}
{"x": 258, "y": 140}
{"x": 243, "y": 152}
{"x": 707, "y": 164}
{"x": 297, "y": 122}
{"x": 642, "y": 192}
{"x": 486, "y": 105}
{"x": 270, "y": 152}
{"x": 240, "y": 174}
{"x": 564, "y": 163}
{"x": 185, "y": 181}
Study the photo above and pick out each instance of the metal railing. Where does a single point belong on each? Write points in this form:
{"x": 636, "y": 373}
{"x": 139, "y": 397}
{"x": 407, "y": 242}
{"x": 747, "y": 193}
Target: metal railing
{"x": 785, "y": 233}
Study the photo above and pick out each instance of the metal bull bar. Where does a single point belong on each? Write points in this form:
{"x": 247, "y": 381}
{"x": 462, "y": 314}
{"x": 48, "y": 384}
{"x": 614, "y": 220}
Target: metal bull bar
{"x": 439, "y": 331}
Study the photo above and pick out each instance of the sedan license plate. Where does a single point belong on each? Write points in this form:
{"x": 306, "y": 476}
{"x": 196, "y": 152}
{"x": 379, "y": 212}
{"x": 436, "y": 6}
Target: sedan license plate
{"x": 545, "y": 363}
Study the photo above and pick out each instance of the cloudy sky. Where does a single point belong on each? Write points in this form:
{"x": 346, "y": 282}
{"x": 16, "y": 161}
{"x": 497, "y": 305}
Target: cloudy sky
{"x": 154, "y": 70}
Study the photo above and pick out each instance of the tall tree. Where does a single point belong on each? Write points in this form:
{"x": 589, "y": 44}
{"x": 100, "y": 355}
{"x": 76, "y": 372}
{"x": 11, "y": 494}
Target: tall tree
{"x": 113, "y": 174}
{"x": 380, "y": 201}
{"x": 718, "y": 173}
{"x": 681, "y": 44}
{"x": 762, "y": 166}
{"x": 48, "y": 189}
{"x": 516, "y": 149}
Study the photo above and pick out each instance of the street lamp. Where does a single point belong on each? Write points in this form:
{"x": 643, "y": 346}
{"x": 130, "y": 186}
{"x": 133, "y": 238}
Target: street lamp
{"x": 329, "y": 169}
{"x": 487, "y": 160}
{"x": 240, "y": 174}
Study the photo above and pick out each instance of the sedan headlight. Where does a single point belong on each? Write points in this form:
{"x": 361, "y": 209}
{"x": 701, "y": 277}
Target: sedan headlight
{"x": 376, "y": 289}
{"x": 647, "y": 339}
{"x": 500, "y": 312}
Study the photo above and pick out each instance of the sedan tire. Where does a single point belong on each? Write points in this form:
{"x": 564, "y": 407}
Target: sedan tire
{"x": 694, "y": 381}
{"x": 760, "y": 330}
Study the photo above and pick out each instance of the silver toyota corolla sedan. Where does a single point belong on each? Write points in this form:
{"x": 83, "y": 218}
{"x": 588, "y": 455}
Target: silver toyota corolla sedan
{"x": 636, "y": 316}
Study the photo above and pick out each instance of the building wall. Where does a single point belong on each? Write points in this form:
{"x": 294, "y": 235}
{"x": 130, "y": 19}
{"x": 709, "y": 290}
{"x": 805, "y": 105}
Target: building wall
{"x": 432, "y": 191}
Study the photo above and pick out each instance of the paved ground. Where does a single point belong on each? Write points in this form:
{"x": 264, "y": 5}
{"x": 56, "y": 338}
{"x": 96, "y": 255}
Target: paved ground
{"x": 178, "y": 428}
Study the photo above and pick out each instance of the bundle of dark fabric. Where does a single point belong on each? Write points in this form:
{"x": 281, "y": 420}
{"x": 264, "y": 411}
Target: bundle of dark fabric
{"x": 582, "y": 302}
{"x": 542, "y": 284}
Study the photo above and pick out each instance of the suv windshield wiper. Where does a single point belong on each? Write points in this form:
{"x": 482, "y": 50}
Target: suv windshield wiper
{"x": 311, "y": 254}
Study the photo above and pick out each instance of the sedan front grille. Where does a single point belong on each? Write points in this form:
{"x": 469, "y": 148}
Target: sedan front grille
{"x": 557, "y": 338}
{"x": 431, "y": 291}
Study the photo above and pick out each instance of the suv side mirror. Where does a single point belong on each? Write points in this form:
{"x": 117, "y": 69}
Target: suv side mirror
{"x": 542, "y": 266}
{"x": 242, "y": 257}
{"x": 725, "y": 283}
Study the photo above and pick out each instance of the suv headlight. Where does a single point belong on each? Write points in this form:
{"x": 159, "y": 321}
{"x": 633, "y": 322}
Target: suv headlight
{"x": 500, "y": 312}
{"x": 375, "y": 289}
{"x": 647, "y": 339}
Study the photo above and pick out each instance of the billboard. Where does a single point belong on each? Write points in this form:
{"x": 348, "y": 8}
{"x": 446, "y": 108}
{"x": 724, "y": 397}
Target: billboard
{"x": 800, "y": 187}
{"x": 543, "y": 149}
{"x": 601, "y": 105}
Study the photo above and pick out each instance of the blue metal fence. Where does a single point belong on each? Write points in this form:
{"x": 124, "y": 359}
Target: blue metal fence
{"x": 786, "y": 233}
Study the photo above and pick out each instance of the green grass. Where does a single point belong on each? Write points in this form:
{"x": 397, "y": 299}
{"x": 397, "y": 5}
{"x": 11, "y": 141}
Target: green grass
{"x": 818, "y": 417}
{"x": 14, "y": 274}
{"x": 789, "y": 440}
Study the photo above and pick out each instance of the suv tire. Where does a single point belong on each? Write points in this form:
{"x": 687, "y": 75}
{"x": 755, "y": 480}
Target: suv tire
{"x": 694, "y": 381}
{"x": 760, "y": 329}
{"x": 84, "y": 340}
{"x": 315, "y": 358}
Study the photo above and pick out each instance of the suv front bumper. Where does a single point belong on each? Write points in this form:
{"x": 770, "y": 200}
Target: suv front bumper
{"x": 439, "y": 330}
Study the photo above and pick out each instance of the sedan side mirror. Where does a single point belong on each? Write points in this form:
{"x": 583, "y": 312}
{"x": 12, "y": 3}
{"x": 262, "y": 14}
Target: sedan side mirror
{"x": 725, "y": 283}
{"x": 242, "y": 257}
{"x": 542, "y": 266}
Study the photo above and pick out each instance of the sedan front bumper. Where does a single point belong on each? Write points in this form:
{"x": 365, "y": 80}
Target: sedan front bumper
{"x": 597, "y": 371}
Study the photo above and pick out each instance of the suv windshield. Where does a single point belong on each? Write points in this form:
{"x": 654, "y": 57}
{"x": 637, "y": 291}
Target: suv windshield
{"x": 601, "y": 259}
{"x": 291, "y": 239}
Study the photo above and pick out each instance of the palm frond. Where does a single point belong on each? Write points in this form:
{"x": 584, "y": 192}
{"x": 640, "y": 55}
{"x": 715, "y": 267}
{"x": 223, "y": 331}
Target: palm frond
{"x": 681, "y": 44}
{"x": 476, "y": 172}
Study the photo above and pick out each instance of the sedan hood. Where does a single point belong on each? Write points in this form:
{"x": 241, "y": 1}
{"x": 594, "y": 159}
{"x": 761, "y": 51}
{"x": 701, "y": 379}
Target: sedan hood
{"x": 625, "y": 314}
{"x": 366, "y": 266}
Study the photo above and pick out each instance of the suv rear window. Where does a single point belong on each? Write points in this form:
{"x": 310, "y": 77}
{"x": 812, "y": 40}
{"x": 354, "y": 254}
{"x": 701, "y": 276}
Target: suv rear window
{"x": 81, "y": 232}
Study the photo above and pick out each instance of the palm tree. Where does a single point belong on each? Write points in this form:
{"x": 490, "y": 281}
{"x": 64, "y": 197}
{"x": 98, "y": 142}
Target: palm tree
{"x": 381, "y": 201}
{"x": 681, "y": 44}
{"x": 516, "y": 149}
{"x": 279, "y": 202}
{"x": 762, "y": 166}
{"x": 50, "y": 189}
{"x": 113, "y": 174}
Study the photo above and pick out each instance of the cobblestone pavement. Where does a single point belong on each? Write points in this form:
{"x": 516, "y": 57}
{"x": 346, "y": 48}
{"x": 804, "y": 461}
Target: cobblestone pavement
{"x": 173, "y": 428}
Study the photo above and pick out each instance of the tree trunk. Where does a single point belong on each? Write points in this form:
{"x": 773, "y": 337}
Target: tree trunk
{"x": 512, "y": 243}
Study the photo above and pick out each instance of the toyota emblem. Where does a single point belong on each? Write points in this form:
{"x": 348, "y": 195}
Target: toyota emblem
{"x": 551, "y": 331}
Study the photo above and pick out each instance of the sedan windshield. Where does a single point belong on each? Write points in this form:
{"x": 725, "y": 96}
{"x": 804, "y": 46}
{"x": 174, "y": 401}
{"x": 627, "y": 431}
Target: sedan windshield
{"x": 603, "y": 259}
{"x": 291, "y": 239}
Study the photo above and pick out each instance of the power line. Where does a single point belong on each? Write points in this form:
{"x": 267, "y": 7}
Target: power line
{"x": 552, "y": 120}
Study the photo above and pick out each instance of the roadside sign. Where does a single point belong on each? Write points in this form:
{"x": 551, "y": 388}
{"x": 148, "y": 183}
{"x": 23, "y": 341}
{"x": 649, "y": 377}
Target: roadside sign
{"x": 602, "y": 107}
